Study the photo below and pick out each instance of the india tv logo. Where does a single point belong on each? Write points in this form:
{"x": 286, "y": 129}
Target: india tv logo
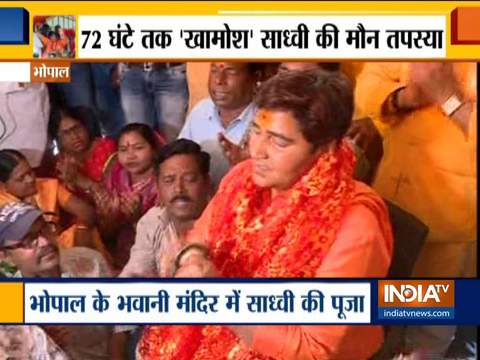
{"x": 416, "y": 299}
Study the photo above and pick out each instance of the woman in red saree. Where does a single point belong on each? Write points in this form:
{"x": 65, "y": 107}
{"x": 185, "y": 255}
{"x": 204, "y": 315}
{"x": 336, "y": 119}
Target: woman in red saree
{"x": 292, "y": 210}
{"x": 80, "y": 143}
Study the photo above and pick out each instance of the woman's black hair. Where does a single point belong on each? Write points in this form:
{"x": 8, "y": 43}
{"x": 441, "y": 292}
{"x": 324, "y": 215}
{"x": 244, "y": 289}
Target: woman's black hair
{"x": 9, "y": 160}
{"x": 144, "y": 131}
{"x": 83, "y": 114}
{"x": 184, "y": 147}
{"x": 320, "y": 101}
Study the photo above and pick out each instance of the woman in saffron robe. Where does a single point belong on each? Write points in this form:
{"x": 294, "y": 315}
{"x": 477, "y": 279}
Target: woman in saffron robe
{"x": 292, "y": 210}
{"x": 19, "y": 183}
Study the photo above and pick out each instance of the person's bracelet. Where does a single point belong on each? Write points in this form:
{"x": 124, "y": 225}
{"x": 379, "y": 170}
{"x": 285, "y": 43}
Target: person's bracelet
{"x": 195, "y": 246}
{"x": 90, "y": 188}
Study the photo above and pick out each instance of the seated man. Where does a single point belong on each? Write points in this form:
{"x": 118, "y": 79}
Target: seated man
{"x": 224, "y": 116}
{"x": 183, "y": 186}
{"x": 27, "y": 245}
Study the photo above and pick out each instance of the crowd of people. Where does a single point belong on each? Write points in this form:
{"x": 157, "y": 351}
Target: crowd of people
{"x": 292, "y": 170}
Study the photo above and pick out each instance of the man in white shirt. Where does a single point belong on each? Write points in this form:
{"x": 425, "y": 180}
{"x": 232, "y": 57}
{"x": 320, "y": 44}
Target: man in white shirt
{"x": 225, "y": 116}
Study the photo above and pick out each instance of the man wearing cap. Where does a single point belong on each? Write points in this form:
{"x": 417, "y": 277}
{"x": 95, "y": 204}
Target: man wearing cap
{"x": 27, "y": 241}
{"x": 28, "y": 247}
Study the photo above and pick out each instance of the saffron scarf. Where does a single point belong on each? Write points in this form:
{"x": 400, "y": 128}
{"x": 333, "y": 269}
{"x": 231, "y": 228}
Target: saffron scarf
{"x": 255, "y": 235}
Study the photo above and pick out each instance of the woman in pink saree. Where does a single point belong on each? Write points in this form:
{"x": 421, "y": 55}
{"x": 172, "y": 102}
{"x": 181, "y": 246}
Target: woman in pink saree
{"x": 128, "y": 189}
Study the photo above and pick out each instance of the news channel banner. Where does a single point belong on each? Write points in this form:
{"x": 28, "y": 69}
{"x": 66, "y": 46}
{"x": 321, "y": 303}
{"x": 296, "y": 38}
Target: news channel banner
{"x": 246, "y": 301}
{"x": 48, "y": 40}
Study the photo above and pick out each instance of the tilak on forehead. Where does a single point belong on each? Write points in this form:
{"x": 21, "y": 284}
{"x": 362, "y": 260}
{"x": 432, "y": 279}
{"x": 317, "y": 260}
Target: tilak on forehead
{"x": 264, "y": 118}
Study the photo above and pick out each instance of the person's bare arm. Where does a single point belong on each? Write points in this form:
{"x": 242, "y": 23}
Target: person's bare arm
{"x": 433, "y": 84}
{"x": 42, "y": 38}
{"x": 79, "y": 208}
{"x": 117, "y": 345}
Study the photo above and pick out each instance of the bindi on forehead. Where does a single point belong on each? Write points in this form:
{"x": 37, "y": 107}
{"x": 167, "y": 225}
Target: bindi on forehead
{"x": 130, "y": 139}
{"x": 132, "y": 143}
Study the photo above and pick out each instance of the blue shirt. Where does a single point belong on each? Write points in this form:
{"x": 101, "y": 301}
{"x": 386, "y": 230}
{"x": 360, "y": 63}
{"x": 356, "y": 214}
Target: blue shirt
{"x": 203, "y": 125}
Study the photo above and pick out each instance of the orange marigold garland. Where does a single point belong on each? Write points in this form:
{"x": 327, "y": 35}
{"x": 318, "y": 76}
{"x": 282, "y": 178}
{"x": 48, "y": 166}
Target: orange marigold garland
{"x": 253, "y": 235}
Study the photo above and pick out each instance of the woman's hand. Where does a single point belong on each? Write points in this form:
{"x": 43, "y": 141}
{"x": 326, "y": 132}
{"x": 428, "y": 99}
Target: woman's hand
{"x": 59, "y": 334}
{"x": 196, "y": 265}
{"x": 68, "y": 169}
{"x": 131, "y": 205}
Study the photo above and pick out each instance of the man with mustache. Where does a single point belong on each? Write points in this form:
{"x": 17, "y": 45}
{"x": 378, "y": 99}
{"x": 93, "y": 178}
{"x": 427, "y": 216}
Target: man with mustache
{"x": 24, "y": 222}
{"x": 183, "y": 184}
{"x": 28, "y": 249}
{"x": 27, "y": 241}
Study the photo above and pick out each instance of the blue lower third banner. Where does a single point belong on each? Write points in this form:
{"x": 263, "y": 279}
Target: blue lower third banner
{"x": 241, "y": 301}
